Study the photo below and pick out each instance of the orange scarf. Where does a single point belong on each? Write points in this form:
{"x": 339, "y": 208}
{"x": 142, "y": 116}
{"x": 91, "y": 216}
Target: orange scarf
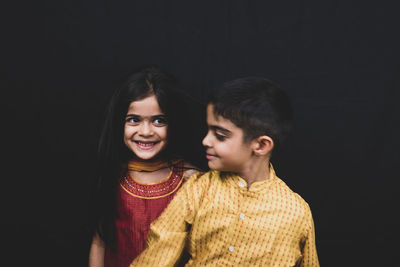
{"x": 150, "y": 166}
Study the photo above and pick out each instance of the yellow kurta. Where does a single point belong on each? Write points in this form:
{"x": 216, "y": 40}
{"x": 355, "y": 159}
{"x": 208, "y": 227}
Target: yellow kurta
{"x": 225, "y": 224}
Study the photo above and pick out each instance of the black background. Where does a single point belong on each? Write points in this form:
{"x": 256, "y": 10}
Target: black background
{"x": 338, "y": 60}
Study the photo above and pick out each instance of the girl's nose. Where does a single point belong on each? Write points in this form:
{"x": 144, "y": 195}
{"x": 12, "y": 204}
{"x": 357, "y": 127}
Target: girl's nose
{"x": 146, "y": 129}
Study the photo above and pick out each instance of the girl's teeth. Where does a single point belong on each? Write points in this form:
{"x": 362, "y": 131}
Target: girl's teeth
{"x": 146, "y": 144}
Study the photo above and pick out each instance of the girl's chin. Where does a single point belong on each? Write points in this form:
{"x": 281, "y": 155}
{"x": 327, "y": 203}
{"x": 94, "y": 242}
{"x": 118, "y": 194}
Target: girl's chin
{"x": 153, "y": 154}
{"x": 146, "y": 156}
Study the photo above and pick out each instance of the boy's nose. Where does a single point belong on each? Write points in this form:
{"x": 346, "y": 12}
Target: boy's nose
{"x": 206, "y": 140}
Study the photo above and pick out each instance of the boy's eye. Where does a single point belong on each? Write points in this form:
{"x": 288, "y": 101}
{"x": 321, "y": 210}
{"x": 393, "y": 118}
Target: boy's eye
{"x": 220, "y": 137}
{"x": 160, "y": 121}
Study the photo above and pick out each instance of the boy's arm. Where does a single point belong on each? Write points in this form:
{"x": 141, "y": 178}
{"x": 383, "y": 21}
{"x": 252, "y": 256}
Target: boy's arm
{"x": 167, "y": 234}
{"x": 310, "y": 257}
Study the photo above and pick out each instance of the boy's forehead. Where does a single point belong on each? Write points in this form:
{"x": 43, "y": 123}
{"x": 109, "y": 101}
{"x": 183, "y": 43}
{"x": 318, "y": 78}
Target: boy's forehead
{"x": 211, "y": 114}
{"x": 218, "y": 120}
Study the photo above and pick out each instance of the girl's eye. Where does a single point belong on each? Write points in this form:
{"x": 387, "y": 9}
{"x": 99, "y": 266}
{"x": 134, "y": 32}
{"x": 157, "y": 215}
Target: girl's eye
{"x": 220, "y": 137}
{"x": 132, "y": 120}
{"x": 160, "y": 121}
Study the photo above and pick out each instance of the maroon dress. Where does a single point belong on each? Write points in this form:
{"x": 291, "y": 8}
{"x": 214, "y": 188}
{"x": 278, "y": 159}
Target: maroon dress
{"x": 137, "y": 206}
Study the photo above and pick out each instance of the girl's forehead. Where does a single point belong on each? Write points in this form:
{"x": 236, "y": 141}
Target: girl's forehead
{"x": 146, "y": 106}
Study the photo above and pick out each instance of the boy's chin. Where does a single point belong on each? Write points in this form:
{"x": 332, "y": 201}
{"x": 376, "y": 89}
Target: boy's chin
{"x": 215, "y": 167}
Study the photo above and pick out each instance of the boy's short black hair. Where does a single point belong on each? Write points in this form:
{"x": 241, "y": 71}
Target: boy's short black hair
{"x": 256, "y": 105}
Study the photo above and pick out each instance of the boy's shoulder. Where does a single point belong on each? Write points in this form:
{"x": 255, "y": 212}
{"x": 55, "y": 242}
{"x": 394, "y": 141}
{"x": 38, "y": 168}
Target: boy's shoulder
{"x": 280, "y": 189}
{"x": 197, "y": 185}
{"x": 286, "y": 196}
{"x": 204, "y": 179}
{"x": 203, "y": 176}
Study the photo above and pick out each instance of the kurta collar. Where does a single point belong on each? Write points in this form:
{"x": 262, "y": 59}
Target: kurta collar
{"x": 259, "y": 186}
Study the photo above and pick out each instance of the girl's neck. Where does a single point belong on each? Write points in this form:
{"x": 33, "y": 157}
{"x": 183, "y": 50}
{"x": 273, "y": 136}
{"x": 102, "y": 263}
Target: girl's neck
{"x": 150, "y": 177}
{"x": 139, "y": 165}
{"x": 149, "y": 171}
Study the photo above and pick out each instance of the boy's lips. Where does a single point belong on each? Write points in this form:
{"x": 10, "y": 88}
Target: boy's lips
{"x": 210, "y": 156}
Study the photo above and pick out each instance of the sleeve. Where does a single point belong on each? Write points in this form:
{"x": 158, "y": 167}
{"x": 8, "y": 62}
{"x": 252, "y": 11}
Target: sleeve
{"x": 167, "y": 235}
{"x": 310, "y": 257}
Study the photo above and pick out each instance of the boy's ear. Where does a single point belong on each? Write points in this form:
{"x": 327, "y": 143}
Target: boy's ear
{"x": 262, "y": 145}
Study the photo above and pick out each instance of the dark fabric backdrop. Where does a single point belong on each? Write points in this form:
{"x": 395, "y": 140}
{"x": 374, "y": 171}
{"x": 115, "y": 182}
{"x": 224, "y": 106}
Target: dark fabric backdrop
{"x": 338, "y": 60}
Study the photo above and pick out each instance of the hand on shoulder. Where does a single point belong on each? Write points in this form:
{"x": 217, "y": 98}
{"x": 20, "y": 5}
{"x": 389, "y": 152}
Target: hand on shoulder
{"x": 190, "y": 170}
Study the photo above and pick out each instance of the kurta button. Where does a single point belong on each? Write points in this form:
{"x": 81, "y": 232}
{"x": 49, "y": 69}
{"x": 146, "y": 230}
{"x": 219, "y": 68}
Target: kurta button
{"x": 242, "y": 216}
{"x": 241, "y": 184}
{"x": 231, "y": 249}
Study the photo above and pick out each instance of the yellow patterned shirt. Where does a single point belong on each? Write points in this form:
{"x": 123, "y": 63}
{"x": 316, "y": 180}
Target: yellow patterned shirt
{"x": 223, "y": 223}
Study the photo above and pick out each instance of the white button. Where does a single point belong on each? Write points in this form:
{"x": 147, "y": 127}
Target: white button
{"x": 242, "y": 216}
{"x": 241, "y": 184}
{"x": 231, "y": 249}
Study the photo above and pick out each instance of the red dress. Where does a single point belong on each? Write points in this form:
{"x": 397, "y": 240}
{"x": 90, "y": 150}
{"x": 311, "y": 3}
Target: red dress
{"x": 137, "y": 206}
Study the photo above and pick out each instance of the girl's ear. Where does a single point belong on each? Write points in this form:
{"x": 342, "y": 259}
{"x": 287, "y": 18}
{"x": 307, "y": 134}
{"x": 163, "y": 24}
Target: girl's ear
{"x": 262, "y": 145}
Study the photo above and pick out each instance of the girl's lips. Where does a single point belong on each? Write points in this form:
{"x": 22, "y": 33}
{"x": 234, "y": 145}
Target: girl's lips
{"x": 145, "y": 145}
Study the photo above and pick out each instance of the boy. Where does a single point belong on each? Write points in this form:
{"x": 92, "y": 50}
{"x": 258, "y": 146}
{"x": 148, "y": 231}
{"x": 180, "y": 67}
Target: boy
{"x": 240, "y": 213}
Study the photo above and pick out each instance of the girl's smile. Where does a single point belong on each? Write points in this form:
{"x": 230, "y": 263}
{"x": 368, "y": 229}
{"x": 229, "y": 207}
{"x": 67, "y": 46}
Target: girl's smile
{"x": 145, "y": 145}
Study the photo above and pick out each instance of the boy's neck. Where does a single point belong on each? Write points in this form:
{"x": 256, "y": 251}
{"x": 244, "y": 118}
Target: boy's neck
{"x": 256, "y": 170}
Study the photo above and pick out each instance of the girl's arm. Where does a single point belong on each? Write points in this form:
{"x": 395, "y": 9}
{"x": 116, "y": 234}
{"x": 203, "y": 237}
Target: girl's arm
{"x": 96, "y": 255}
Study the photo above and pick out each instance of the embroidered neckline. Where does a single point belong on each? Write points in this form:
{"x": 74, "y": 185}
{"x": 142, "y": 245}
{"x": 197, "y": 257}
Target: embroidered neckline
{"x": 155, "y": 190}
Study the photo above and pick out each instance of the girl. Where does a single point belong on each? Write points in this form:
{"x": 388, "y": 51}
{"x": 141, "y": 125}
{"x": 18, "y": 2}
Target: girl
{"x": 144, "y": 152}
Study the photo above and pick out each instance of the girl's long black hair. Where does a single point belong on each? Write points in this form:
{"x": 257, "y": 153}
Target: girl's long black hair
{"x": 186, "y": 127}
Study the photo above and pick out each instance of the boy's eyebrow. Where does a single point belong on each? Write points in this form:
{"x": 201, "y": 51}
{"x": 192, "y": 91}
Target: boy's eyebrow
{"x": 218, "y": 128}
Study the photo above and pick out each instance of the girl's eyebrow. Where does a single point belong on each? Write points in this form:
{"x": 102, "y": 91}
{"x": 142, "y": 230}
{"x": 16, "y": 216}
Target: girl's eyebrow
{"x": 138, "y": 116}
